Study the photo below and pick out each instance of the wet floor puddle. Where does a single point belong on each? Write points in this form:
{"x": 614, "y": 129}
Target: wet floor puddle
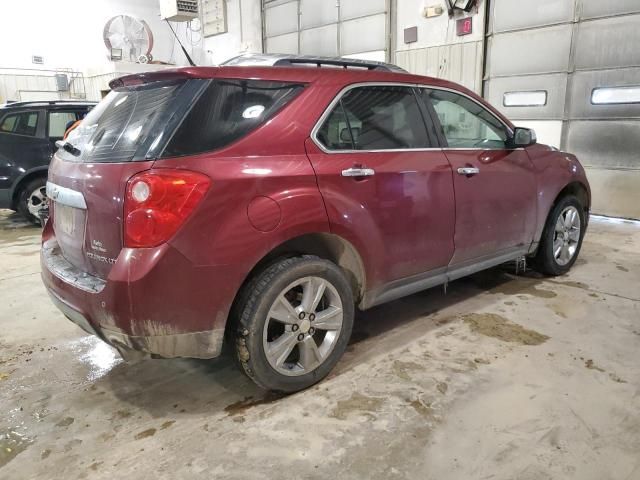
{"x": 356, "y": 404}
{"x": 497, "y": 326}
{"x": 241, "y": 406}
{"x": 12, "y": 443}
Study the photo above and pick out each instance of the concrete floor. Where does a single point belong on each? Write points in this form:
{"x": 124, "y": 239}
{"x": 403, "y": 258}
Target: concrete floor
{"x": 504, "y": 377}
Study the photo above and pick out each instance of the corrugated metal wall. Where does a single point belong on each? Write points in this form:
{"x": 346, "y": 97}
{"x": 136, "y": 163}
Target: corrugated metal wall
{"x": 568, "y": 48}
{"x": 461, "y": 63}
{"x": 327, "y": 28}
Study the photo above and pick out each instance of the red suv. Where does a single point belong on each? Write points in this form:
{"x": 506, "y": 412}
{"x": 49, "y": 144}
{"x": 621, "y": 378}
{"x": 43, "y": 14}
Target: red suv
{"x": 265, "y": 203}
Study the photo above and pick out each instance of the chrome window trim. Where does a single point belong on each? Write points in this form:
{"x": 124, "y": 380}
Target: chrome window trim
{"x": 348, "y": 88}
{"x": 66, "y": 196}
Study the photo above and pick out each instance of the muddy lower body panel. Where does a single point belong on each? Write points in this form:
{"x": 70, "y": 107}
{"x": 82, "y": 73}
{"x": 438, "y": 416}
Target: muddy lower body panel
{"x": 205, "y": 344}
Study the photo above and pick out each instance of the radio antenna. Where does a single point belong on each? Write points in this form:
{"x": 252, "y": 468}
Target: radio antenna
{"x": 181, "y": 46}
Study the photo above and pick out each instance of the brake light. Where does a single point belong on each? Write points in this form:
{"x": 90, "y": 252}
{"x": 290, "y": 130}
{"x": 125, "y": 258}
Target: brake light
{"x": 157, "y": 202}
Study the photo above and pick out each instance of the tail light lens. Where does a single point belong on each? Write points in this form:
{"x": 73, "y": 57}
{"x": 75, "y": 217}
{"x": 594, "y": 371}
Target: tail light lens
{"x": 157, "y": 202}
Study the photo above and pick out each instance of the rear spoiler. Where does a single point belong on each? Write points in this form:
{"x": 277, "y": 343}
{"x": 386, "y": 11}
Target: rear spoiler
{"x": 159, "y": 76}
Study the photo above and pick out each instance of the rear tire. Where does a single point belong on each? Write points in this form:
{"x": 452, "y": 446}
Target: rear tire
{"x": 31, "y": 198}
{"x": 294, "y": 321}
{"x": 562, "y": 237}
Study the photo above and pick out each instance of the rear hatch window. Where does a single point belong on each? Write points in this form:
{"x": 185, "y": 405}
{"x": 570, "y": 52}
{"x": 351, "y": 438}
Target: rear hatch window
{"x": 123, "y": 124}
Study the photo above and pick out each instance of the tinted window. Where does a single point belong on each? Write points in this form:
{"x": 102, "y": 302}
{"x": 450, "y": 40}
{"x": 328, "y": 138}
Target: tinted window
{"x": 379, "y": 118}
{"x": 465, "y": 123}
{"x": 334, "y": 133}
{"x": 116, "y": 127}
{"x": 59, "y": 122}
{"x": 23, "y": 123}
{"x": 227, "y": 111}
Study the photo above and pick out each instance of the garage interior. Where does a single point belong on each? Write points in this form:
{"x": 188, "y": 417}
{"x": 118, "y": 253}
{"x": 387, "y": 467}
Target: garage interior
{"x": 505, "y": 374}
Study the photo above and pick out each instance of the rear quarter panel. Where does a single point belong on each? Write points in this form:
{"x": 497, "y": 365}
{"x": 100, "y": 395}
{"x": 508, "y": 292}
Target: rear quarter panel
{"x": 263, "y": 192}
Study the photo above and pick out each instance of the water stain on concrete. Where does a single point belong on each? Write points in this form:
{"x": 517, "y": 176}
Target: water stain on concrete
{"x": 145, "y": 434}
{"x": 241, "y": 406}
{"x": 12, "y": 443}
{"x": 589, "y": 364}
{"x": 496, "y": 326}
{"x": 65, "y": 422}
{"x": 571, "y": 283}
{"x": 356, "y": 404}
{"x": 421, "y": 408}
{"x": 621, "y": 268}
{"x": 522, "y": 286}
{"x": 616, "y": 378}
{"x": 71, "y": 444}
{"x": 120, "y": 414}
{"x": 402, "y": 369}
{"x": 167, "y": 424}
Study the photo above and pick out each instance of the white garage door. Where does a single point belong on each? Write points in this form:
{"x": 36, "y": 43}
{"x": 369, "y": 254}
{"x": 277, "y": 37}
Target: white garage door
{"x": 350, "y": 28}
{"x": 571, "y": 70}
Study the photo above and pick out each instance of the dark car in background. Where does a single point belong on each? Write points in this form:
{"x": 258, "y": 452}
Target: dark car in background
{"x": 28, "y": 133}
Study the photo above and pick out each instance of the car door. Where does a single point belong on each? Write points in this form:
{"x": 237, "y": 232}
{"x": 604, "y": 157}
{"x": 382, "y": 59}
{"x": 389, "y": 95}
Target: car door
{"x": 386, "y": 185}
{"x": 23, "y": 145}
{"x": 494, "y": 185}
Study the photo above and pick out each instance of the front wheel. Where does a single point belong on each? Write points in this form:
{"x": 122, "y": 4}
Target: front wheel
{"x": 295, "y": 320}
{"x": 562, "y": 237}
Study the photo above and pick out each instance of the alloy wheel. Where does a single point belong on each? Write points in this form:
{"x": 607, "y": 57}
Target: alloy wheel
{"x": 303, "y": 326}
{"x": 566, "y": 236}
{"x": 36, "y": 200}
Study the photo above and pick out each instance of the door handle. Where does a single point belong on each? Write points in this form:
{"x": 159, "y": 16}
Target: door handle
{"x": 469, "y": 171}
{"x": 358, "y": 172}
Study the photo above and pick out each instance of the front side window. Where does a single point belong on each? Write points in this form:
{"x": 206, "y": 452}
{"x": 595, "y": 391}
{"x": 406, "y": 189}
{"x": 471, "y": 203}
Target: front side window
{"x": 465, "y": 123}
{"x": 23, "y": 123}
{"x": 59, "y": 122}
{"x": 375, "y": 118}
{"x": 227, "y": 111}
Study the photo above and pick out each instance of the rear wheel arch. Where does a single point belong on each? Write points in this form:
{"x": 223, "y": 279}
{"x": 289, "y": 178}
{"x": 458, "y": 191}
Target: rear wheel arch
{"x": 326, "y": 246}
{"x": 323, "y": 245}
{"x": 24, "y": 181}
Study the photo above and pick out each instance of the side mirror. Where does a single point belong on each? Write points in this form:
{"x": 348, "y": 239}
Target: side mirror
{"x": 522, "y": 137}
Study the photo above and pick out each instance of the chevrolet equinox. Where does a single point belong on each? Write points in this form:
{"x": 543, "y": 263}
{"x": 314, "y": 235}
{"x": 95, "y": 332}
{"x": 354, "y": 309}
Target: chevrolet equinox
{"x": 264, "y": 200}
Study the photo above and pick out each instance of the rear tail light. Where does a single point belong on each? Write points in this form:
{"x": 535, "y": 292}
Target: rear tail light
{"x": 157, "y": 202}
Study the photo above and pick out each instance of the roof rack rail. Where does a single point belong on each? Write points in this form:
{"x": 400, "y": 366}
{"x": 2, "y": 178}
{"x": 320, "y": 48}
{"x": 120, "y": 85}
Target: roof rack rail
{"x": 34, "y": 103}
{"x": 339, "y": 62}
{"x": 283, "y": 60}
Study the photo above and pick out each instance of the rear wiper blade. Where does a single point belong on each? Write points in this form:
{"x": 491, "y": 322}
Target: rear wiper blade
{"x": 68, "y": 147}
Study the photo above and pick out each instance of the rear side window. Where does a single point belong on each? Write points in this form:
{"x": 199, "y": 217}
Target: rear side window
{"x": 227, "y": 111}
{"x": 375, "y": 118}
{"x": 59, "y": 122}
{"x": 24, "y": 123}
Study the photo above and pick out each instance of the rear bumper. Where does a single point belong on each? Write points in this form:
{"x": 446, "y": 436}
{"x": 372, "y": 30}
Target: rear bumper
{"x": 153, "y": 303}
{"x": 205, "y": 344}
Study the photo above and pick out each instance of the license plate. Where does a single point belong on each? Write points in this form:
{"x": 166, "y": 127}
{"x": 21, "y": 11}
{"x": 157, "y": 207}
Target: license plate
{"x": 65, "y": 219}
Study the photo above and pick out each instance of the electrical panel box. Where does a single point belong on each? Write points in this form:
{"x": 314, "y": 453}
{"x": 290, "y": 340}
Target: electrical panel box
{"x": 178, "y": 10}
{"x": 214, "y": 17}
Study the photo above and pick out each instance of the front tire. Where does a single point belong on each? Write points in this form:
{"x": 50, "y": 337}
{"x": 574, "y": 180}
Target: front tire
{"x": 294, "y": 322}
{"x": 32, "y": 197}
{"x": 562, "y": 237}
